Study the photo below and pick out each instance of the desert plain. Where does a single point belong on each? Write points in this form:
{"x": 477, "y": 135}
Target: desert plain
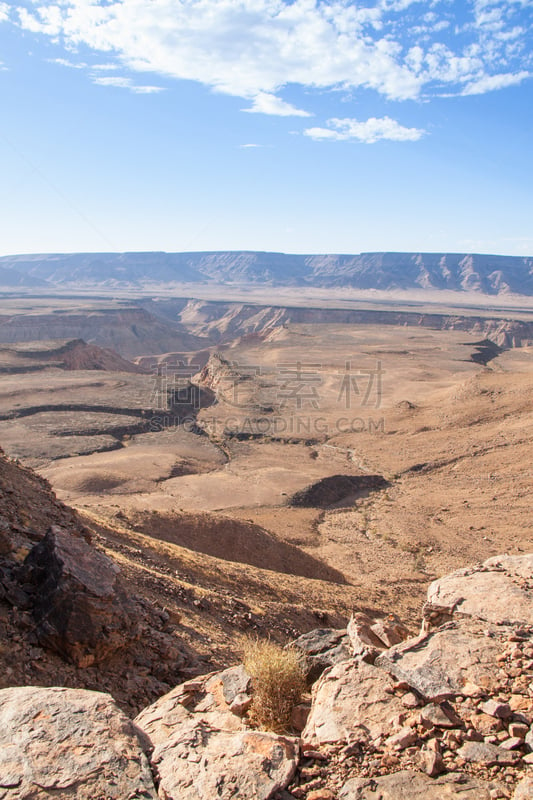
{"x": 264, "y": 474}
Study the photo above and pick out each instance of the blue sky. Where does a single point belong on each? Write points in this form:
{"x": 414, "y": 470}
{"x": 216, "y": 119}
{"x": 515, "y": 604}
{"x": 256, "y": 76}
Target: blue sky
{"x": 266, "y": 125}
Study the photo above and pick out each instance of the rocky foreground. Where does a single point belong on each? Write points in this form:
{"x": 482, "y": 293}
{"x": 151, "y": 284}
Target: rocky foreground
{"x": 446, "y": 714}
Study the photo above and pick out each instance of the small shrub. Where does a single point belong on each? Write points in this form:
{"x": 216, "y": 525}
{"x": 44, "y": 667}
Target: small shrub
{"x": 278, "y": 681}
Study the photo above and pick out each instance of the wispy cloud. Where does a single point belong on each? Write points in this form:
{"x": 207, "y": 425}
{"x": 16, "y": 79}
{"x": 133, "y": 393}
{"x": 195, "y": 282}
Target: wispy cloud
{"x": 250, "y": 145}
{"x": 4, "y": 12}
{"x": 65, "y": 62}
{"x": 126, "y": 83}
{"x": 368, "y": 132}
{"x": 488, "y": 83}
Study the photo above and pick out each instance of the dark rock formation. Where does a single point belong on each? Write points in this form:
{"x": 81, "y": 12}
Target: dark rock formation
{"x": 79, "y": 606}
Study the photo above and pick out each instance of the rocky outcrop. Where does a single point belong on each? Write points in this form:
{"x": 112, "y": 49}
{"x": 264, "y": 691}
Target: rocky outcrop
{"x": 199, "y": 763}
{"x": 203, "y": 749}
{"x": 69, "y": 743}
{"x": 78, "y": 604}
{"x": 322, "y": 648}
{"x": 67, "y": 615}
{"x": 439, "y": 664}
{"x": 369, "y": 636}
{"x": 499, "y": 591}
{"x": 446, "y": 714}
{"x": 353, "y": 701}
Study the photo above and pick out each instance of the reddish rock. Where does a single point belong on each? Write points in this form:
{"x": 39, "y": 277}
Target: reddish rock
{"x": 69, "y": 743}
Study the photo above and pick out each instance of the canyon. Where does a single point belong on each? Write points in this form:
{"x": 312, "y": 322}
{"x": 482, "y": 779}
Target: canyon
{"x": 203, "y": 468}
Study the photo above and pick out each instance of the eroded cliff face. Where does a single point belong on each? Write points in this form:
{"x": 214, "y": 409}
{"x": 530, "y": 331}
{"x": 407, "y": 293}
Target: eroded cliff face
{"x": 146, "y": 329}
{"x": 128, "y": 331}
{"x": 458, "y": 272}
{"x": 223, "y": 321}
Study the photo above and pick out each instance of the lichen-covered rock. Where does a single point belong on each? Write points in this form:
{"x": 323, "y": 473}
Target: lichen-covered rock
{"x": 203, "y": 749}
{"x": 69, "y": 743}
{"x": 352, "y": 700}
{"x": 79, "y": 606}
{"x": 441, "y": 663}
{"x": 496, "y": 591}
{"x": 200, "y": 763}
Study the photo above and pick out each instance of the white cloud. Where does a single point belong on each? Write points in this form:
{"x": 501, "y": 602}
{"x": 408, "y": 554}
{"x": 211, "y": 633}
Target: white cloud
{"x": 126, "y": 83}
{"x": 246, "y": 48}
{"x": 104, "y": 67}
{"x": 4, "y": 12}
{"x": 255, "y": 49}
{"x": 369, "y": 132}
{"x": 489, "y": 83}
{"x": 250, "y": 145}
{"x": 65, "y": 62}
{"x": 264, "y": 103}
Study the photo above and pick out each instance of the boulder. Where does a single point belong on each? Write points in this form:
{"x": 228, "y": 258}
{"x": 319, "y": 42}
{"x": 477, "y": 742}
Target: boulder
{"x": 439, "y": 664}
{"x": 199, "y": 762}
{"x": 69, "y": 743}
{"x": 488, "y": 754}
{"x": 202, "y": 748}
{"x": 408, "y": 785}
{"x": 322, "y": 648}
{"x": 495, "y": 591}
{"x": 351, "y": 701}
{"x": 200, "y": 700}
{"x": 79, "y": 606}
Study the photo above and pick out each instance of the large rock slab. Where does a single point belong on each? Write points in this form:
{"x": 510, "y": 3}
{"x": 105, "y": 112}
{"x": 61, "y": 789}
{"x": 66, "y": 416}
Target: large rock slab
{"x": 201, "y": 763}
{"x": 202, "y": 748}
{"x": 79, "y": 606}
{"x": 441, "y": 663}
{"x": 69, "y": 743}
{"x": 408, "y": 785}
{"x": 496, "y": 591}
{"x": 206, "y": 699}
{"x": 351, "y": 701}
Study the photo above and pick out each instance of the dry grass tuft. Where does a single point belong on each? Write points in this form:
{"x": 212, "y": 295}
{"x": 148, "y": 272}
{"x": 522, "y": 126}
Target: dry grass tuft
{"x": 278, "y": 679}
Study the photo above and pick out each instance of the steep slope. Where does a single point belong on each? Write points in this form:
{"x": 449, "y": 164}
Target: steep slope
{"x": 192, "y": 606}
{"x": 65, "y": 607}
